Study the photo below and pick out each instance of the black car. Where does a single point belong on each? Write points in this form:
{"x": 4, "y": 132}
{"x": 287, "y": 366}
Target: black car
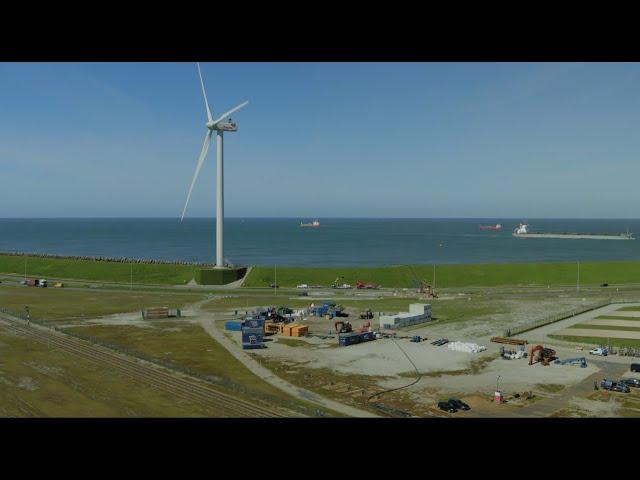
{"x": 635, "y": 367}
{"x": 447, "y": 407}
{"x": 459, "y": 404}
{"x": 273, "y": 285}
{"x": 604, "y": 284}
{"x": 631, "y": 382}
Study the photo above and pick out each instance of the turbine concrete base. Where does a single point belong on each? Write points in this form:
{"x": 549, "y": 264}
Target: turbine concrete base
{"x": 220, "y": 276}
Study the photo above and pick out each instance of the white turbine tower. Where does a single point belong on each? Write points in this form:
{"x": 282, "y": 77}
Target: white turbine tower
{"x": 219, "y": 127}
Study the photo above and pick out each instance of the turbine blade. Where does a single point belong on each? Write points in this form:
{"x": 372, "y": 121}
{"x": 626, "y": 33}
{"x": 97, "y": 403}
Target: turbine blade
{"x": 204, "y": 93}
{"x": 203, "y": 153}
{"x": 226, "y": 114}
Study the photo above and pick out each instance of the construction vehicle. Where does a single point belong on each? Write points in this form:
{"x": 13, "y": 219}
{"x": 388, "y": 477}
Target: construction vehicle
{"x": 368, "y": 315}
{"x": 335, "y": 284}
{"x": 364, "y": 328}
{"x": 369, "y": 286}
{"x": 271, "y": 328}
{"x": 537, "y": 353}
{"x": 427, "y": 289}
{"x": 342, "y": 327}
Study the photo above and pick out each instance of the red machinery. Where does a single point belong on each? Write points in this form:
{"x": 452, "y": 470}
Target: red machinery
{"x": 373, "y": 286}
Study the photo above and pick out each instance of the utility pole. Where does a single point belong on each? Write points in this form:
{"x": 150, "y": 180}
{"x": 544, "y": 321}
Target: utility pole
{"x": 434, "y": 276}
{"x": 131, "y": 277}
{"x": 578, "y": 285}
{"x": 25, "y": 267}
{"x": 275, "y": 276}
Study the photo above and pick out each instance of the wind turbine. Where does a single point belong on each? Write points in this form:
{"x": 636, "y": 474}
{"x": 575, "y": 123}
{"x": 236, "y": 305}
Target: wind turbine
{"x": 219, "y": 126}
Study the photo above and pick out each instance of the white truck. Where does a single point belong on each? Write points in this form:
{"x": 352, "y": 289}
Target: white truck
{"x": 603, "y": 352}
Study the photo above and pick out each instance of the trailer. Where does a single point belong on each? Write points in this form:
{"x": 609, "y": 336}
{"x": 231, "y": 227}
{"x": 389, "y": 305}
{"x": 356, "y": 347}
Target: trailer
{"x": 582, "y": 362}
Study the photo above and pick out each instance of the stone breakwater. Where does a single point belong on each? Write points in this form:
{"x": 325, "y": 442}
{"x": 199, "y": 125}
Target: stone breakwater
{"x": 107, "y": 259}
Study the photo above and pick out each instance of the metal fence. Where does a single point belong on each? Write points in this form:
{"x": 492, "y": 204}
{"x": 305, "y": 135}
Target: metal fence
{"x": 211, "y": 379}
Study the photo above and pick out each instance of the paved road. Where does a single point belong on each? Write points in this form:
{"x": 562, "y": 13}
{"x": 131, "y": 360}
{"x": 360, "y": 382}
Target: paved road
{"x": 267, "y": 375}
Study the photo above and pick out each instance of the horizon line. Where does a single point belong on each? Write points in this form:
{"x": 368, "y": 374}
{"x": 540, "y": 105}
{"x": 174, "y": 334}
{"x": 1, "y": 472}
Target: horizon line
{"x": 315, "y": 218}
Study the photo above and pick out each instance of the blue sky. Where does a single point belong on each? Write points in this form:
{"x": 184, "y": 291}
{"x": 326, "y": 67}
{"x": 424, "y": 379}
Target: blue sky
{"x": 519, "y": 140}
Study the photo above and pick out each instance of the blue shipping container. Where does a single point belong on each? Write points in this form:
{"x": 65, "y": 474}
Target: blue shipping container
{"x": 235, "y": 326}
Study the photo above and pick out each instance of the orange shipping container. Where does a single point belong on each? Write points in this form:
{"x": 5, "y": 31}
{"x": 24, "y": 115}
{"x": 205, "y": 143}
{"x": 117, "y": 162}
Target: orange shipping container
{"x": 300, "y": 331}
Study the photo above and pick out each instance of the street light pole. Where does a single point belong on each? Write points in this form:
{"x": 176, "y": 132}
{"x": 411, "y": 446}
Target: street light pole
{"x": 578, "y": 286}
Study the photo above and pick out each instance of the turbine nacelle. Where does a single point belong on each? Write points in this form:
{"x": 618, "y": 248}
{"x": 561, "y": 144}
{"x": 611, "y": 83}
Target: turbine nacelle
{"x": 223, "y": 126}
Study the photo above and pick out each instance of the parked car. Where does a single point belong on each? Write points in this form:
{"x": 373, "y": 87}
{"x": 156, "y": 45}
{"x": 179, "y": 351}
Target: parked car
{"x": 604, "y": 285}
{"x": 273, "y": 285}
{"x": 635, "y": 367}
{"x": 599, "y": 351}
{"x": 447, "y": 407}
{"x": 303, "y": 285}
{"x": 632, "y": 382}
{"x": 614, "y": 386}
{"x": 459, "y": 404}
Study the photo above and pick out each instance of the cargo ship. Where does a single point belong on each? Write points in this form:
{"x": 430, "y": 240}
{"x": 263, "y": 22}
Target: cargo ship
{"x": 315, "y": 223}
{"x": 522, "y": 232}
{"x": 497, "y": 227}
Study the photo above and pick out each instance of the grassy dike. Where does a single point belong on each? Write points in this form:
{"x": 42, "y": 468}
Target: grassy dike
{"x": 461, "y": 275}
{"x": 42, "y": 267}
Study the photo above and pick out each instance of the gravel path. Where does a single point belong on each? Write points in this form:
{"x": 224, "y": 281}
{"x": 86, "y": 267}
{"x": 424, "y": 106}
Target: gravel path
{"x": 267, "y": 375}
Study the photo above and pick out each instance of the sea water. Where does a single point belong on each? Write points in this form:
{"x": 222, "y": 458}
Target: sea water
{"x": 348, "y": 242}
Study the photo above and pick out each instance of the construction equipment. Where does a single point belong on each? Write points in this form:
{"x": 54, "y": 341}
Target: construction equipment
{"x": 58, "y": 285}
{"x": 364, "y": 328}
{"x": 537, "y": 353}
{"x": 271, "y": 328}
{"x": 427, "y": 289}
{"x": 368, "y": 315}
{"x": 510, "y": 341}
{"x": 284, "y": 311}
{"x": 342, "y": 327}
{"x": 369, "y": 286}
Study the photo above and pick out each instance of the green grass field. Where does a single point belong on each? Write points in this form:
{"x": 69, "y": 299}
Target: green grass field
{"x": 60, "y": 304}
{"x": 614, "y": 317}
{"x": 40, "y": 267}
{"x": 38, "y": 381}
{"x": 486, "y": 275}
{"x": 614, "y": 342}
{"x": 605, "y": 327}
{"x": 188, "y": 346}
